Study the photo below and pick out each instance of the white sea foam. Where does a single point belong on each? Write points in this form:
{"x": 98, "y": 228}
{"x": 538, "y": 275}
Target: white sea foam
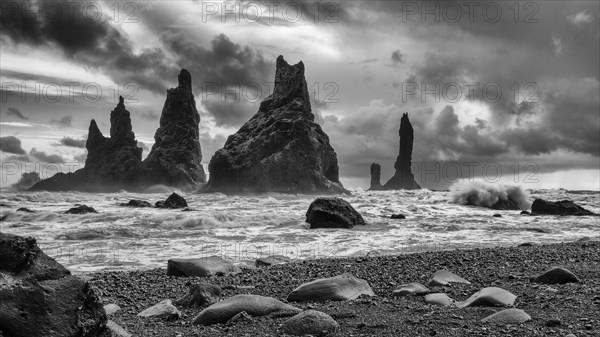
{"x": 486, "y": 194}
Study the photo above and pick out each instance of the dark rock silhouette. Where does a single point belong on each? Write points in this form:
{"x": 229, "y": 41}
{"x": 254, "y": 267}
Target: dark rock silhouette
{"x": 81, "y": 209}
{"x": 333, "y": 213}
{"x": 25, "y": 209}
{"x": 136, "y": 203}
{"x": 40, "y": 297}
{"x": 280, "y": 148}
{"x": 563, "y": 207}
{"x": 503, "y": 204}
{"x": 173, "y": 201}
{"x": 403, "y": 179}
{"x": 176, "y": 158}
{"x": 375, "y": 177}
{"x": 115, "y": 163}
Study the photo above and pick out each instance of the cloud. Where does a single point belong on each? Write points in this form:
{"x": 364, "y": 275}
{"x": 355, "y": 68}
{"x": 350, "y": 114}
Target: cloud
{"x": 17, "y": 124}
{"x": 17, "y": 113}
{"x": 11, "y": 144}
{"x": 143, "y": 146}
{"x": 46, "y": 158}
{"x": 558, "y": 46}
{"x": 27, "y": 180}
{"x": 230, "y": 113}
{"x": 19, "y": 158}
{"x": 397, "y": 56}
{"x": 72, "y": 142}
{"x": 580, "y": 18}
{"x": 65, "y": 121}
{"x": 81, "y": 157}
{"x": 148, "y": 115}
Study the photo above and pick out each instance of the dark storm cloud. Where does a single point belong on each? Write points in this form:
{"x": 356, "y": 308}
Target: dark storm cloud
{"x": 532, "y": 141}
{"x": 11, "y": 144}
{"x": 230, "y": 113}
{"x": 27, "y": 180}
{"x": 46, "y": 158}
{"x": 17, "y": 113}
{"x": 72, "y": 142}
{"x": 85, "y": 39}
{"x": 397, "y": 56}
{"x": 65, "y": 121}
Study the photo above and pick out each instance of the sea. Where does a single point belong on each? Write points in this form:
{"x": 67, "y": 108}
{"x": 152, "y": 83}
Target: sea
{"x": 244, "y": 228}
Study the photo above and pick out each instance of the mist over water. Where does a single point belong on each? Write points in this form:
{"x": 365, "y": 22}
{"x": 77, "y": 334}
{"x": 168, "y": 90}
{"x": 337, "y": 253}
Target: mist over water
{"x": 243, "y": 228}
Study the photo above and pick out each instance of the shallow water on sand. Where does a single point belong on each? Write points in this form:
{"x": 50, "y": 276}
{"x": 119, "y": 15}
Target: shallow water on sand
{"x": 242, "y": 228}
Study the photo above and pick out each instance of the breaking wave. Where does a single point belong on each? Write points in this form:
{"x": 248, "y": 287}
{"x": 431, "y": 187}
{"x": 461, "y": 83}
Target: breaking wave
{"x": 485, "y": 194}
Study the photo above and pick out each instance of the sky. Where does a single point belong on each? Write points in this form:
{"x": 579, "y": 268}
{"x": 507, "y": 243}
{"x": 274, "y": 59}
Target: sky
{"x": 496, "y": 90}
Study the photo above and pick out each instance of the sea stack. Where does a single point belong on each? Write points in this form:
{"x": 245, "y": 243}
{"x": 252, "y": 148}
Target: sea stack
{"x": 176, "y": 157}
{"x": 403, "y": 179}
{"x": 280, "y": 148}
{"x": 375, "y": 177}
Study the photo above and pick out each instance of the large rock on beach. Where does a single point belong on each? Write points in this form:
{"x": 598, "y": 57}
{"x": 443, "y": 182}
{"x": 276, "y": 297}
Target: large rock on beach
{"x": 200, "y": 295}
{"x": 173, "y": 201}
{"x": 338, "y": 288}
{"x": 202, "y": 267}
{"x": 490, "y": 297}
{"x": 444, "y": 277}
{"x": 563, "y": 207}
{"x": 508, "y": 316}
{"x": 254, "y": 305}
{"x": 557, "y": 275}
{"x": 312, "y": 323}
{"x": 403, "y": 179}
{"x": 411, "y": 289}
{"x": 439, "y": 299}
{"x": 333, "y": 212}
{"x": 281, "y": 148}
{"x": 39, "y": 297}
{"x": 176, "y": 158}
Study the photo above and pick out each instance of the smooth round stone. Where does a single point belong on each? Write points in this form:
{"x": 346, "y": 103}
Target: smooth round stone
{"x": 439, "y": 299}
{"x": 163, "y": 309}
{"x": 557, "y": 275}
{"x": 413, "y": 288}
{"x": 491, "y": 296}
{"x": 338, "y": 288}
{"x": 203, "y": 267}
{"x": 508, "y": 316}
{"x": 253, "y": 305}
{"x": 111, "y": 308}
{"x": 444, "y": 277}
{"x": 310, "y": 322}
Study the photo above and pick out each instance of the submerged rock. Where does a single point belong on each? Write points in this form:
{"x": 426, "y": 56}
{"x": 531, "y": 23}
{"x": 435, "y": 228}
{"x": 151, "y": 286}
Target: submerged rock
{"x": 202, "y": 267}
{"x": 81, "y": 209}
{"x": 310, "y": 322}
{"x": 338, "y": 288}
{"x": 39, "y": 297}
{"x": 176, "y": 157}
{"x": 333, "y": 212}
{"x": 254, "y": 305}
{"x": 173, "y": 201}
{"x": 25, "y": 209}
{"x": 564, "y": 207}
{"x": 280, "y": 148}
{"x": 403, "y": 179}
{"x": 136, "y": 203}
{"x": 398, "y": 216}
{"x": 557, "y": 275}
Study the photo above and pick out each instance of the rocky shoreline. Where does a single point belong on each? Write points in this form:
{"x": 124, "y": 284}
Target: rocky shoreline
{"x": 570, "y": 309}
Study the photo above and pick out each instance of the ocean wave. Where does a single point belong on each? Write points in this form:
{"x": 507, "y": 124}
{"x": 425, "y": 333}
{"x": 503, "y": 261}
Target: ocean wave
{"x": 484, "y": 194}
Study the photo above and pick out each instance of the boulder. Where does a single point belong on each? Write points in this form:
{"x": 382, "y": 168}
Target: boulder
{"x": 444, "y": 277}
{"x": 332, "y": 212}
{"x": 254, "y": 305}
{"x": 557, "y": 275}
{"x": 39, "y": 297}
{"x": 25, "y": 209}
{"x": 272, "y": 260}
{"x": 200, "y": 295}
{"x": 411, "y": 289}
{"x": 375, "y": 177}
{"x": 136, "y": 203}
{"x": 81, "y": 209}
{"x": 281, "y": 148}
{"x": 338, "y": 288}
{"x": 202, "y": 267}
{"x": 310, "y": 322}
{"x": 508, "y": 316}
{"x": 564, "y": 207}
{"x": 439, "y": 299}
{"x": 489, "y": 297}
{"x": 403, "y": 179}
{"x": 173, "y": 201}
{"x": 163, "y": 309}
{"x": 176, "y": 157}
